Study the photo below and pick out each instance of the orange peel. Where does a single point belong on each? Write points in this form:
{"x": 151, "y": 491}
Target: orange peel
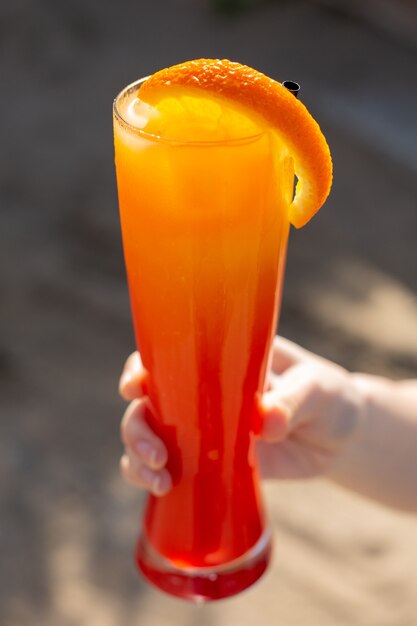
{"x": 275, "y": 105}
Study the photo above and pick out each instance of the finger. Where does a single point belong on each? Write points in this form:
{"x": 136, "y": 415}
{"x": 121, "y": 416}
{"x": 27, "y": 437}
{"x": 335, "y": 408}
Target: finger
{"x": 286, "y": 353}
{"x": 133, "y": 381}
{"x": 157, "y": 482}
{"x": 289, "y": 402}
{"x": 274, "y": 418}
{"x": 139, "y": 438}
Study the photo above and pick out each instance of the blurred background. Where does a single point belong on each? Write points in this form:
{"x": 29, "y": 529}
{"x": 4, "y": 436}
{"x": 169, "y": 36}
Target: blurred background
{"x": 67, "y": 522}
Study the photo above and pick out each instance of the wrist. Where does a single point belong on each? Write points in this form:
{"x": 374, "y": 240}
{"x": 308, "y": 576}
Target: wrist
{"x": 379, "y": 461}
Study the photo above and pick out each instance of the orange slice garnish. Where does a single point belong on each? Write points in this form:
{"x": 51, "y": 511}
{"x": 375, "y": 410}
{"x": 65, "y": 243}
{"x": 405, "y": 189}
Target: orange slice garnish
{"x": 264, "y": 98}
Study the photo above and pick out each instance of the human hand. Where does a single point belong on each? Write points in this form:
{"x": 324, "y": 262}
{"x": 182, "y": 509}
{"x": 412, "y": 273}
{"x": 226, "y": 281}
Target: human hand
{"x": 143, "y": 463}
{"x": 309, "y": 414}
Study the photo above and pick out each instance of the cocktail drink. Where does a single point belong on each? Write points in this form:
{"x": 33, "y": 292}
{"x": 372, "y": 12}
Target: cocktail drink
{"x": 205, "y": 193}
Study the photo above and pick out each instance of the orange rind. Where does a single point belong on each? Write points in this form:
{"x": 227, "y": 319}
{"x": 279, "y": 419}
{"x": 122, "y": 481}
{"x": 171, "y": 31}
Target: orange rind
{"x": 274, "y": 105}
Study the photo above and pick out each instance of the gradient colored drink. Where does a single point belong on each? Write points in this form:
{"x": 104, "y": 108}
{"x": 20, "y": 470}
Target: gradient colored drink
{"x": 205, "y": 231}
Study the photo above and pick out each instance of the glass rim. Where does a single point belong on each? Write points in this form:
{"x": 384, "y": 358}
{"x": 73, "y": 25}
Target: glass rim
{"x": 167, "y": 140}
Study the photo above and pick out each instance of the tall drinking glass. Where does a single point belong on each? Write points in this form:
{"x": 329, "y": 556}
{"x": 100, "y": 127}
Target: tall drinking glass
{"x": 205, "y": 231}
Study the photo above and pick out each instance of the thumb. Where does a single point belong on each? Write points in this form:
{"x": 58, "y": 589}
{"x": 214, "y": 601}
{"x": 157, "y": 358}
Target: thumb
{"x": 285, "y": 405}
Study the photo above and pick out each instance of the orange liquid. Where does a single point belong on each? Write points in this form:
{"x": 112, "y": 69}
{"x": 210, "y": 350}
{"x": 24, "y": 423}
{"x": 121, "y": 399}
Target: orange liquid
{"x": 205, "y": 231}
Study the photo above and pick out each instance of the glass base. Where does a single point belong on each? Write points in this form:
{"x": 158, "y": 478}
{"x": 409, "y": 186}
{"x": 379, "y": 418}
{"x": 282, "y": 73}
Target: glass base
{"x": 203, "y": 584}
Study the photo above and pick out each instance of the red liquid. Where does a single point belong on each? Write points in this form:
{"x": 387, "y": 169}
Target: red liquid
{"x": 200, "y": 586}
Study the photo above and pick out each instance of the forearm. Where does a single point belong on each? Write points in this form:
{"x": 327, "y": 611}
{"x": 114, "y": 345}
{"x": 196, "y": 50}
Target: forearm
{"x": 380, "y": 461}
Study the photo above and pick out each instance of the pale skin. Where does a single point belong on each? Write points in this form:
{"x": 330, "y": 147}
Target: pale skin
{"x": 357, "y": 430}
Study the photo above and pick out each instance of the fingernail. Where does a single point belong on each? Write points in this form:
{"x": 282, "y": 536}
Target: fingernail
{"x": 148, "y": 452}
{"x": 160, "y": 484}
{"x": 268, "y": 402}
{"x": 125, "y": 379}
{"x": 152, "y": 480}
{"x": 156, "y": 485}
